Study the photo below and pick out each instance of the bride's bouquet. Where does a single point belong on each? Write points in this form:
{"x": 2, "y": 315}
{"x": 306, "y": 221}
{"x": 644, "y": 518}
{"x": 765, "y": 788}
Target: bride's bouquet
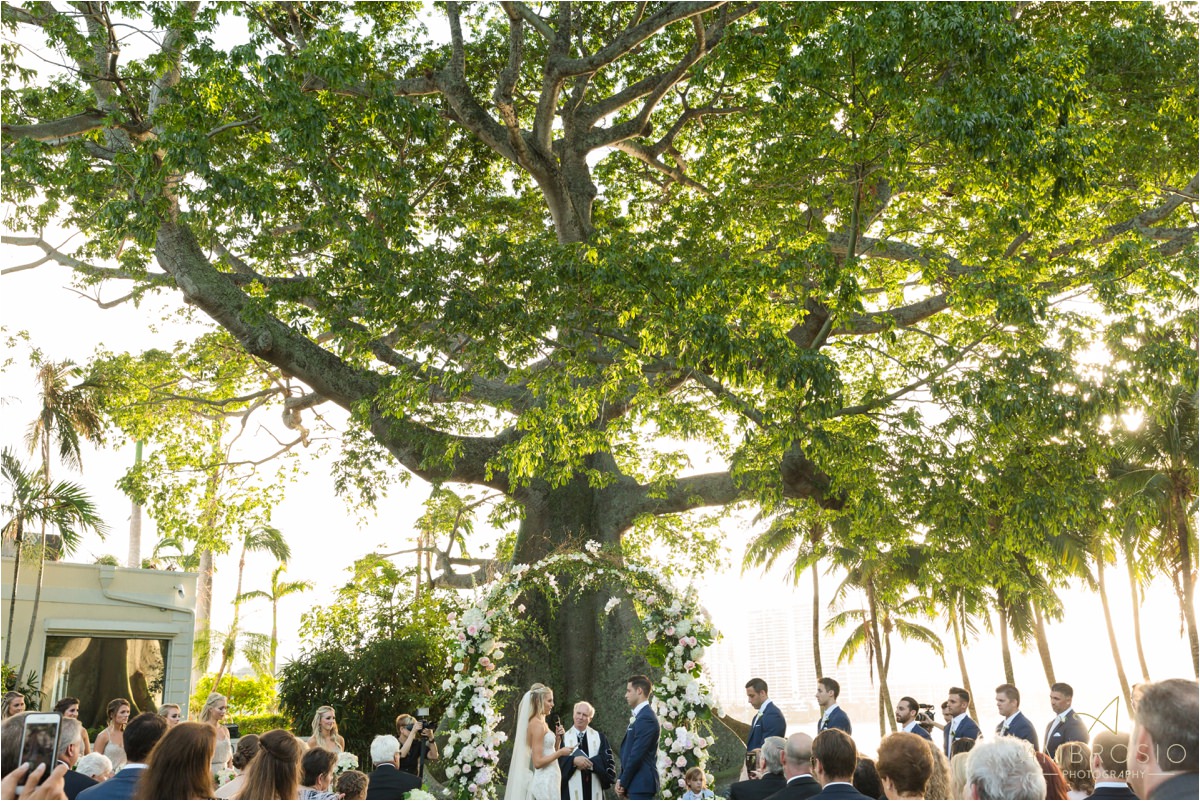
{"x": 345, "y": 761}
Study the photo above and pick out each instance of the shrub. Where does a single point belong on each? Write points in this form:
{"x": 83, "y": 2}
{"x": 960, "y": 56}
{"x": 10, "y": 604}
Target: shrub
{"x": 248, "y": 695}
{"x": 259, "y": 724}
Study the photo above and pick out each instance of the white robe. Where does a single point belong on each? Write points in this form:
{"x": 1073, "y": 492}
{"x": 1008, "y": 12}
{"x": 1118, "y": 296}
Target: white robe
{"x": 575, "y": 783}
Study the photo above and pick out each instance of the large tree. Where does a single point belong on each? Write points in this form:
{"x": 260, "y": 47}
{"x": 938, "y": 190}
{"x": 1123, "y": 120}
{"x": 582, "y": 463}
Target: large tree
{"x": 531, "y": 250}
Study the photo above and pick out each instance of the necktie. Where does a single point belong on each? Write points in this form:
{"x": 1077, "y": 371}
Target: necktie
{"x": 583, "y": 741}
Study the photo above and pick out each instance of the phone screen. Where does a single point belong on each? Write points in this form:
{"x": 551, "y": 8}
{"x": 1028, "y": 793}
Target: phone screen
{"x": 39, "y": 745}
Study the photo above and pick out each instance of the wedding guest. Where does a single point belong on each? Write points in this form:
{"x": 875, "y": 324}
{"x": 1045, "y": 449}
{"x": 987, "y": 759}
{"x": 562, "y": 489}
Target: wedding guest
{"x": 1056, "y": 783}
{"x": 68, "y": 754}
{"x": 316, "y": 768}
{"x": 247, "y": 749}
{"x": 171, "y": 713}
{"x": 95, "y": 766}
{"x": 141, "y": 735}
{"x": 111, "y": 741}
{"x": 14, "y": 704}
{"x": 417, "y": 745}
{"x": 834, "y": 758}
{"x": 1163, "y": 758}
{"x": 68, "y": 707}
{"x": 387, "y": 780}
{"x": 1110, "y": 755}
{"x": 1075, "y": 760}
{"x": 215, "y": 708}
{"x": 35, "y": 788}
{"x": 352, "y": 785}
{"x": 325, "y": 731}
{"x": 697, "y": 785}
{"x": 1004, "y": 769}
{"x": 180, "y": 765}
{"x": 904, "y": 765}
{"x": 940, "y": 786}
{"x": 959, "y": 775}
{"x": 962, "y": 746}
{"x": 274, "y": 773}
{"x": 866, "y": 778}
{"x": 770, "y": 772}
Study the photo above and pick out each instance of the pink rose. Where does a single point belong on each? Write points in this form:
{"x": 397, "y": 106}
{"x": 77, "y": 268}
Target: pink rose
{"x": 670, "y": 632}
{"x": 688, "y": 665}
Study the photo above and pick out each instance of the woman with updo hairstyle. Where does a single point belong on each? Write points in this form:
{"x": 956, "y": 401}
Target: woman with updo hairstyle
{"x": 69, "y": 708}
{"x": 904, "y": 765}
{"x": 275, "y": 772}
{"x": 1075, "y": 760}
{"x": 325, "y": 731}
{"x": 179, "y": 765}
{"x": 959, "y": 775}
{"x": 14, "y": 703}
{"x": 316, "y": 774}
{"x": 247, "y": 749}
{"x": 111, "y": 741}
{"x": 215, "y": 707}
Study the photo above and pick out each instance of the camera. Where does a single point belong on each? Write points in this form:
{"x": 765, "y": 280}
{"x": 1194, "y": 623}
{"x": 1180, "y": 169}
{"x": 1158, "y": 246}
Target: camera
{"x": 428, "y": 727}
{"x": 925, "y": 713}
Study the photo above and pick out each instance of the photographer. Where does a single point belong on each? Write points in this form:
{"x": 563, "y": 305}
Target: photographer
{"x": 910, "y": 715}
{"x": 417, "y": 745}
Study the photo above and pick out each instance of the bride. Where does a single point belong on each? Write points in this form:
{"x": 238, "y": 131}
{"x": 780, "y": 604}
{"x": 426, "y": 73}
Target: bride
{"x": 534, "y": 771}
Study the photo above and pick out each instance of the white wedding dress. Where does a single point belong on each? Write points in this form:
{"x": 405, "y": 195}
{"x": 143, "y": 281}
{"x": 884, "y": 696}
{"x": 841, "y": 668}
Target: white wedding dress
{"x": 543, "y": 784}
{"x": 546, "y": 784}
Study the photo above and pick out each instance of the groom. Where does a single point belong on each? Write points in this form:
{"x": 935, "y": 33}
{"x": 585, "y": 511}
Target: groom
{"x": 590, "y": 770}
{"x": 639, "y": 750}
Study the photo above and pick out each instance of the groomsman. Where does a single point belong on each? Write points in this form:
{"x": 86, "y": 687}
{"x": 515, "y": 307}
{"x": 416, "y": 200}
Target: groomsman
{"x": 832, "y": 717}
{"x": 960, "y": 727}
{"x": 590, "y": 770}
{"x": 906, "y": 716}
{"x": 639, "y": 749}
{"x": 1066, "y": 727}
{"x": 1015, "y": 724}
{"x": 768, "y": 719}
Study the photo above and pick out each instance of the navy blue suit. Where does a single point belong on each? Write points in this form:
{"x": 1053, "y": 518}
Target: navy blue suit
{"x": 1071, "y": 730}
{"x": 843, "y": 791}
{"x": 920, "y": 732}
{"x": 75, "y": 783}
{"x": 967, "y": 730}
{"x": 120, "y": 786}
{"x": 1021, "y": 728}
{"x": 1111, "y": 793}
{"x": 768, "y": 722}
{"x": 799, "y": 787}
{"x": 837, "y": 720}
{"x": 639, "y": 756}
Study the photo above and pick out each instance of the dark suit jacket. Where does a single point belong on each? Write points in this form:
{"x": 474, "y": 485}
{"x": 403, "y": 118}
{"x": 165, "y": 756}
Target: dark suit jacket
{"x": 120, "y": 786}
{"x": 385, "y": 782}
{"x": 765, "y": 787}
{"x": 602, "y": 761}
{"x": 1112, "y": 794}
{"x": 769, "y": 724}
{"x": 1071, "y": 730}
{"x": 967, "y": 730}
{"x": 844, "y": 792}
{"x": 639, "y": 756}
{"x": 75, "y": 783}
{"x": 799, "y": 787}
{"x": 1022, "y": 728}
{"x": 1182, "y": 786}
{"x": 920, "y": 731}
{"x": 838, "y": 719}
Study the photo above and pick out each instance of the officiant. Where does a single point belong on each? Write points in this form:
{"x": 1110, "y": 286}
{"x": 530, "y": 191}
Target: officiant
{"x": 590, "y": 768}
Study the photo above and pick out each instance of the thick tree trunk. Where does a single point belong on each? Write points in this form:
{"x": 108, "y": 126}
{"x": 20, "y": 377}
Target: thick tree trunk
{"x": 962, "y": 659}
{"x": 873, "y": 608}
{"x": 37, "y": 601}
{"x": 816, "y": 622}
{"x": 1137, "y": 614}
{"x": 1043, "y": 644}
{"x": 1112, "y": 639}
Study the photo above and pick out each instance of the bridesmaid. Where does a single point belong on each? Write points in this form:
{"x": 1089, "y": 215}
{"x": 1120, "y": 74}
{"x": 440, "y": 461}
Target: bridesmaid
{"x": 111, "y": 741}
{"x": 325, "y": 731}
{"x": 69, "y": 708}
{"x": 213, "y": 713}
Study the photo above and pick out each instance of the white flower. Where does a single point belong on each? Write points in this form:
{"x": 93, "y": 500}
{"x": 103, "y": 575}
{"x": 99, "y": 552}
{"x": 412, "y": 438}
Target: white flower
{"x": 592, "y": 547}
{"x": 613, "y": 602}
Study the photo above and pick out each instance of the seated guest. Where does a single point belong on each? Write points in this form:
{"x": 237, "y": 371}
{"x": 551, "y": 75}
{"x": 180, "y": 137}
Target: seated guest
{"x": 387, "y": 780}
{"x": 247, "y": 749}
{"x": 352, "y": 785}
{"x": 74, "y": 782}
{"x": 962, "y": 746}
{"x": 1056, "y": 783}
{"x": 866, "y": 778}
{"x": 274, "y": 773}
{"x": 1110, "y": 751}
{"x": 180, "y": 765}
{"x": 834, "y": 760}
{"x": 1163, "y": 759}
{"x": 904, "y": 765}
{"x": 697, "y": 785}
{"x": 940, "y": 786}
{"x": 1004, "y": 768}
{"x": 95, "y": 766}
{"x": 141, "y": 735}
{"x": 1074, "y": 759}
{"x": 770, "y": 768}
{"x": 317, "y": 768}
{"x": 959, "y": 775}
{"x": 797, "y": 769}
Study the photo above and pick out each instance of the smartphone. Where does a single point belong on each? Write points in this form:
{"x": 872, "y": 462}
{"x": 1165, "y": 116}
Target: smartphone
{"x": 39, "y": 741}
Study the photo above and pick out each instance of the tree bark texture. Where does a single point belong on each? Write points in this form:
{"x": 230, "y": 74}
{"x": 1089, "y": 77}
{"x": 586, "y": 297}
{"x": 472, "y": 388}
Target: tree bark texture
{"x": 1112, "y": 639}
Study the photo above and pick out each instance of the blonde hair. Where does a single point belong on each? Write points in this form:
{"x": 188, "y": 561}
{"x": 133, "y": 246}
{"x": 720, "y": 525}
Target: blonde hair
{"x": 316, "y": 725}
{"x": 1075, "y": 759}
{"x": 959, "y": 774}
{"x": 162, "y": 710}
{"x": 210, "y": 705}
{"x": 537, "y": 700}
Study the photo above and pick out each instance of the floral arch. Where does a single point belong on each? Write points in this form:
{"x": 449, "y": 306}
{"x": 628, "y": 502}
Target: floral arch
{"x": 677, "y": 631}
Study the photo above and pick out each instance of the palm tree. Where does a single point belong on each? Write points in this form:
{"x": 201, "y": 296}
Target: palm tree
{"x": 261, "y": 539}
{"x": 182, "y": 559}
{"x": 68, "y": 414}
{"x": 279, "y": 590}
{"x": 64, "y": 506}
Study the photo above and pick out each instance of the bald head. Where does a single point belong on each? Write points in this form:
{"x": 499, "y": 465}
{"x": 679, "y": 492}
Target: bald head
{"x": 797, "y": 756}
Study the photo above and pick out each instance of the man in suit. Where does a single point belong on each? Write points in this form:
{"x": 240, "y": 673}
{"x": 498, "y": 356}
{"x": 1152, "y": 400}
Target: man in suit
{"x": 141, "y": 735}
{"x": 770, "y": 770}
{"x": 960, "y": 727}
{"x": 768, "y": 719}
{"x": 797, "y": 769}
{"x": 906, "y": 715}
{"x": 387, "y": 780}
{"x": 832, "y": 717}
{"x": 1015, "y": 724}
{"x": 1066, "y": 727}
{"x": 68, "y": 754}
{"x": 590, "y": 770}
{"x": 834, "y": 758}
{"x": 639, "y": 749}
{"x": 1163, "y": 760}
{"x": 1006, "y": 769}
{"x": 1109, "y": 753}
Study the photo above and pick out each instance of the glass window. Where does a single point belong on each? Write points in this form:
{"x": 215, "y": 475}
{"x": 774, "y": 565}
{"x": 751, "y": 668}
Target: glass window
{"x": 98, "y": 669}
